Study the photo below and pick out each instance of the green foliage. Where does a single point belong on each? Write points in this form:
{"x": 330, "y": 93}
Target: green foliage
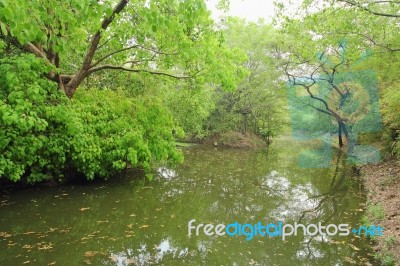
{"x": 258, "y": 104}
{"x": 190, "y": 108}
{"x": 373, "y": 44}
{"x": 375, "y": 212}
{"x": 30, "y": 142}
{"x": 390, "y": 241}
{"x": 108, "y": 130}
{"x": 97, "y": 133}
{"x": 386, "y": 258}
{"x": 391, "y": 116}
{"x": 309, "y": 121}
{"x": 174, "y": 38}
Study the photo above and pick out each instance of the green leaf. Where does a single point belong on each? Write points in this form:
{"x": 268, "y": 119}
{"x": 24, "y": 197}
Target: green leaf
{"x": 3, "y": 29}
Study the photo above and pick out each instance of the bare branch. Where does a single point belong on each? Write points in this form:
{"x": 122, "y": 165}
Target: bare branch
{"x": 373, "y": 42}
{"x": 103, "y": 67}
{"x": 113, "y": 53}
{"x": 104, "y": 43}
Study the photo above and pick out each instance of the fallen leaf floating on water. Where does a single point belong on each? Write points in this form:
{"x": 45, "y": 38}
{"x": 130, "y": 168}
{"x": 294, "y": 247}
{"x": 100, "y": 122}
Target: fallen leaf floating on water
{"x": 84, "y": 209}
{"x": 354, "y": 247}
{"x": 87, "y": 261}
{"x": 4, "y": 234}
{"x": 90, "y": 253}
{"x": 144, "y": 226}
{"x": 29, "y": 233}
{"x": 51, "y": 230}
{"x": 349, "y": 260}
{"x": 113, "y": 258}
{"x": 129, "y": 261}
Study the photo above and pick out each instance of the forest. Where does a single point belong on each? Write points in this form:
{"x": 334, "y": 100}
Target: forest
{"x": 91, "y": 89}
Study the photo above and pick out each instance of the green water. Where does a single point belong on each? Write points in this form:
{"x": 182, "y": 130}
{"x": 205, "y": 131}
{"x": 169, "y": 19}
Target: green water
{"x": 130, "y": 221}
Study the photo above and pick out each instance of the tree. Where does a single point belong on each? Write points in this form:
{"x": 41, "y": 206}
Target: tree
{"x": 79, "y": 38}
{"x": 370, "y": 26}
{"x": 257, "y": 105}
{"x": 110, "y": 122}
{"x": 385, "y": 8}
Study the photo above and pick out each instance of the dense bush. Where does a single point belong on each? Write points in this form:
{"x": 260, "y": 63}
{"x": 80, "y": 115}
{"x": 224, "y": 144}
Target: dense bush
{"x": 96, "y": 133}
{"x": 108, "y": 129}
{"x": 30, "y": 143}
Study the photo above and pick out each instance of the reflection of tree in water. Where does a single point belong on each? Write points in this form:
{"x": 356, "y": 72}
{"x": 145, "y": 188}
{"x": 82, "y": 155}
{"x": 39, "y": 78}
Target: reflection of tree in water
{"x": 245, "y": 188}
{"x": 330, "y": 209}
{"x": 334, "y": 201}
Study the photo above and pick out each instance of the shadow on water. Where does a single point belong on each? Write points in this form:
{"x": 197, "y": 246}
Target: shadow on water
{"x": 135, "y": 222}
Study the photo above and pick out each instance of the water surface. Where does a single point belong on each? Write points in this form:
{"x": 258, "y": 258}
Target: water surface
{"x": 130, "y": 221}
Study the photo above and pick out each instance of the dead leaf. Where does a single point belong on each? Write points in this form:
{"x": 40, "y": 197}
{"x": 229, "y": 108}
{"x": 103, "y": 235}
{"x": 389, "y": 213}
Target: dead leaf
{"x": 130, "y": 261}
{"x": 354, "y": 247}
{"x": 87, "y": 261}
{"x": 90, "y": 253}
{"x": 144, "y": 226}
{"x": 29, "y": 233}
{"x": 113, "y": 258}
{"x": 84, "y": 209}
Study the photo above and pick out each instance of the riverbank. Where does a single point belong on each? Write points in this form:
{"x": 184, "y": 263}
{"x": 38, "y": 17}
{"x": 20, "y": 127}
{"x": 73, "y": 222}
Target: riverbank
{"x": 382, "y": 183}
{"x": 235, "y": 139}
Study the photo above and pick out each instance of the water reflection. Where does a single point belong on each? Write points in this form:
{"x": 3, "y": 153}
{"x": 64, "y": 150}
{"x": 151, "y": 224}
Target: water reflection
{"x": 166, "y": 172}
{"x": 124, "y": 223}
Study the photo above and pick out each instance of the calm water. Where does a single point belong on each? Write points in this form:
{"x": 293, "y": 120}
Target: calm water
{"x": 134, "y": 222}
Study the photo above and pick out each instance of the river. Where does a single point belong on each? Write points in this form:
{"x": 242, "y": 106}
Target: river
{"x": 131, "y": 221}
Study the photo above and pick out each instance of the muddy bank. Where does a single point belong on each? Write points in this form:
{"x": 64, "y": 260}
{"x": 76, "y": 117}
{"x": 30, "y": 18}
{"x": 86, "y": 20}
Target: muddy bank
{"x": 382, "y": 183}
{"x": 235, "y": 139}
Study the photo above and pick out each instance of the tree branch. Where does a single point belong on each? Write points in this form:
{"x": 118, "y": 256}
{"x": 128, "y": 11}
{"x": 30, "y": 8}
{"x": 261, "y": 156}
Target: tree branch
{"x": 113, "y": 53}
{"x": 113, "y": 67}
{"x": 359, "y": 5}
{"x": 29, "y": 47}
{"x": 83, "y": 72}
{"x": 372, "y": 41}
